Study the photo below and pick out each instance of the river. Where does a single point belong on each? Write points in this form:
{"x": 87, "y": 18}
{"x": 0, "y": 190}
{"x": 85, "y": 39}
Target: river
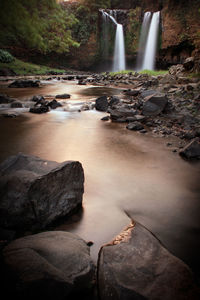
{"x": 126, "y": 173}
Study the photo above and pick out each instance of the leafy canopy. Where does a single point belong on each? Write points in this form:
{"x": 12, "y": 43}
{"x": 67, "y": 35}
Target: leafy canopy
{"x": 40, "y": 25}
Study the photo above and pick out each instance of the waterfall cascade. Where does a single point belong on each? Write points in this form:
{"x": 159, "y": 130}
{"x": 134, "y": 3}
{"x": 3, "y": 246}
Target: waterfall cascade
{"x": 143, "y": 39}
{"x": 119, "y": 63}
{"x": 148, "y": 41}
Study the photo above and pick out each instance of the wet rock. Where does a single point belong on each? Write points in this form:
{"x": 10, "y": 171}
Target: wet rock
{"x": 135, "y": 126}
{"x": 35, "y": 192}
{"x": 122, "y": 112}
{"x": 114, "y": 100}
{"x": 37, "y": 98}
{"x": 101, "y": 103}
{"x": 16, "y": 104}
{"x": 136, "y": 266}
{"x": 133, "y": 93}
{"x": 154, "y": 105}
{"x": 63, "y": 96}
{"x": 189, "y": 63}
{"x": 191, "y": 150}
{"x": 24, "y": 83}
{"x": 39, "y": 110}
{"x": 106, "y": 118}
{"x": 49, "y": 265}
{"x": 54, "y": 104}
{"x": 5, "y": 99}
{"x": 136, "y": 118}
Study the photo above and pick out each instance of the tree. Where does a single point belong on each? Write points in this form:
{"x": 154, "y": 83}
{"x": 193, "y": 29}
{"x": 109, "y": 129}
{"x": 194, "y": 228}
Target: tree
{"x": 40, "y": 25}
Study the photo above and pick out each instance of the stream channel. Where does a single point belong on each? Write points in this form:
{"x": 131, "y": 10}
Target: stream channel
{"x": 126, "y": 173}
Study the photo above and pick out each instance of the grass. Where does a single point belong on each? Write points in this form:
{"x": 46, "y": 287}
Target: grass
{"x": 24, "y": 68}
{"x": 149, "y": 72}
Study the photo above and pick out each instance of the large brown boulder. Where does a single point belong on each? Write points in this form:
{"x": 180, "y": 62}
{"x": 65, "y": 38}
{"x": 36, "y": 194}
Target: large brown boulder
{"x": 34, "y": 192}
{"x": 137, "y": 266}
{"x": 49, "y": 265}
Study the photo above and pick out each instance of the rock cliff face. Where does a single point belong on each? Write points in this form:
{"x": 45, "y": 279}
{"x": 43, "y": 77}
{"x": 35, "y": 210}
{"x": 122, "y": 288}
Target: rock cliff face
{"x": 180, "y": 23}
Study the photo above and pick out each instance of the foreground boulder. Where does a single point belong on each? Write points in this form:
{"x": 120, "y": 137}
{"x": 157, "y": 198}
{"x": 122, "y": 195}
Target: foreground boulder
{"x": 191, "y": 150}
{"x": 34, "y": 192}
{"x": 24, "y": 83}
{"x": 49, "y": 265}
{"x": 137, "y": 266}
{"x": 154, "y": 104}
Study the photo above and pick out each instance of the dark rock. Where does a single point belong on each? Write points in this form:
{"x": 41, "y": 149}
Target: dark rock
{"x": 135, "y": 126}
{"x": 154, "y": 104}
{"x": 147, "y": 93}
{"x": 122, "y": 112}
{"x": 16, "y": 104}
{"x": 35, "y": 192}
{"x": 54, "y": 104}
{"x": 114, "y": 101}
{"x": 37, "y": 98}
{"x": 49, "y": 265}
{"x": 24, "y": 83}
{"x": 136, "y": 118}
{"x": 82, "y": 82}
{"x": 106, "y": 118}
{"x": 133, "y": 93}
{"x": 39, "y": 110}
{"x": 101, "y": 103}
{"x": 136, "y": 266}
{"x": 5, "y": 99}
{"x": 63, "y": 96}
{"x": 189, "y": 63}
{"x": 143, "y": 131}
{"x": 191, "y": 150}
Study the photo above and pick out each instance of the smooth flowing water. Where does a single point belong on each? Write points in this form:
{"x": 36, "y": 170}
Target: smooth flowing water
{"x": 126, "y": 173}
{"x": 151, "y": 44}
{"x": 119, "y": 51}
{"x": 119, "y": 60}
{"x": 143, "y": 39}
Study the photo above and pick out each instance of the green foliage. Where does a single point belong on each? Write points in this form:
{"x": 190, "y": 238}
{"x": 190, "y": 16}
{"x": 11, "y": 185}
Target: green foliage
{"x": 133, "y": 30}
{"x": 24, "y": 68}
{"x": 96, "y": 4}
{"x": 148, "y": 72}
{"x": 6, "y": 57}
{"x": 40, "y": 25}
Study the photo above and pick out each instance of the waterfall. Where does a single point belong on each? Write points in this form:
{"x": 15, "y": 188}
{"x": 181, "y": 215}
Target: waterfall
{"x": 151, "y": 44}
{"x": 143, "y": 39}
{"x": 119, "y": 51}
{"x": 119, "y": 63}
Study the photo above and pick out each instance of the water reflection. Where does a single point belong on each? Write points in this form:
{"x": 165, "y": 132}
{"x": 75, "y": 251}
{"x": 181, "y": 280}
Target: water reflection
{"x": 125, "y": 173}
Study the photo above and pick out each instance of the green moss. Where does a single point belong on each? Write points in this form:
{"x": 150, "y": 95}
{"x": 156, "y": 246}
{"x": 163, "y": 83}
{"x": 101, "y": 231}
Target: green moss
{"x": 24, "y": 68}
{"x": 148, "y": 72}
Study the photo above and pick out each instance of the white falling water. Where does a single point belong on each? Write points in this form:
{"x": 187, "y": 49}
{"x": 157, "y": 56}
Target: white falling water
{"x": 151, "y": 45}
{"x": 119, "y": 63}
{"x": 119, "y": 52}
{"x": 143, "y": 39}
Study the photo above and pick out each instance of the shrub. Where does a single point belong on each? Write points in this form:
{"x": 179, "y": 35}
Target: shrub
{"x": 6, "y": 57}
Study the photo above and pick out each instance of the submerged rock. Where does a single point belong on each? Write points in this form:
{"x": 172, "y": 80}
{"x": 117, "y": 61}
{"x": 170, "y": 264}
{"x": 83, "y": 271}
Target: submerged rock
{"x": 63, "y": 96}
{"x": 39, "y": 109}
{"x": 35, "y": 192}
{"x": 135, "y": 126}
{"x": 54, "y": 104}
{"x": 137, "y": 266}
{"x": 24, "y": 83}
{"x": 49, "y": 265}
